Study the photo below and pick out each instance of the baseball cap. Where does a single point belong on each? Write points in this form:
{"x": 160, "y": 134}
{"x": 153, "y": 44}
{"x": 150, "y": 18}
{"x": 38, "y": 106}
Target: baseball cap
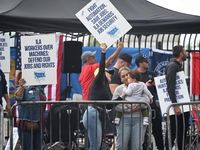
{"x": 110, "y": 71}
{"x": 141, "y": 58}
{"x": 87, "y": 54}
{"x": 126, "y": 57}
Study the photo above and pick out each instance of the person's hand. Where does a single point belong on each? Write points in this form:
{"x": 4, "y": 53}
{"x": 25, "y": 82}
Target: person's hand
{"x": 103, "y": 47}
{"x": 177, "y": 110}
{"x": 8, "y": 107}
{"x": 149, "y": 83}
{"x": 120, "y": 45}
{"x": 135, "y": 109}
{"x": 151, "y": 100}
{"x": 22, "y": 82}
{"x": 125, "y": 86}
{"x": 127, "y": 105}
{"x": 123, "y": 95}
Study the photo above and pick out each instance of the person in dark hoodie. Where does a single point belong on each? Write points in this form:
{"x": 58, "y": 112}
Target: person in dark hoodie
{"x": 99, "y": 90}
{"x": 181, "y": 128}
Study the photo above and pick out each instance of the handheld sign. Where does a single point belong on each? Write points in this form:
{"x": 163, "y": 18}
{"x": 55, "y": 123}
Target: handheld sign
{"x": 5, "y": 53}
{"x": 39, "y": 59}
{"x": 104, "y": 21}
{"x": 181, "y": 92}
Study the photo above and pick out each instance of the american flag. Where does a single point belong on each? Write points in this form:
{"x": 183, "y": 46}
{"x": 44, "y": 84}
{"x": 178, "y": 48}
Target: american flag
{"x": 52, "y": 91}
{"x": 194, "y": 73}
{"x": 18, "y": 64}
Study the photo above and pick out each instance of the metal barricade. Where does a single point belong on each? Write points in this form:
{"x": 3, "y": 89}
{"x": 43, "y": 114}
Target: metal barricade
{"x": 1, "y": 127}
{"x": 183, "y": 130}
{"x": 65, "y": 129}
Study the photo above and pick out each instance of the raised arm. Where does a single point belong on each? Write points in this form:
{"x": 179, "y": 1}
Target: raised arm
{"x": 102, "y": 61}
{"x": 114, "y": 56}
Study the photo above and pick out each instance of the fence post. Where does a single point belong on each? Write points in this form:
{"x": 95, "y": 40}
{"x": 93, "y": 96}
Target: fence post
{"x": 1, "y": 127}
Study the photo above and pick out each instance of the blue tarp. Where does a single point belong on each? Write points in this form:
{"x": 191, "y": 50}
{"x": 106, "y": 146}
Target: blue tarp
{"x": 76, "y": 88}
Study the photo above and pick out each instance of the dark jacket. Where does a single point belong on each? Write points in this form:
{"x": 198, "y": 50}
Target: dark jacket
{"x": 3, "y": 87}
{"x": 98, "y": 89}
{"x": 172, "y": 68}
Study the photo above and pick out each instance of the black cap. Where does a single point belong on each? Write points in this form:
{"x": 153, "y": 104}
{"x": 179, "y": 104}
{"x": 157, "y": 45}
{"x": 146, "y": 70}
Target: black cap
{"x": 126, "y": 57}
{"x": 141, "y": 58}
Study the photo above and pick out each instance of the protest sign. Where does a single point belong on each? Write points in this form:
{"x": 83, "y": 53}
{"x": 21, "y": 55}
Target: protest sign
{"x": 15, "y": 139}
{"x": 39, "y": 59}
{"x": 181, "y": 92}
{"x": 104, "y": 21}
{"x": 5, "y": 53}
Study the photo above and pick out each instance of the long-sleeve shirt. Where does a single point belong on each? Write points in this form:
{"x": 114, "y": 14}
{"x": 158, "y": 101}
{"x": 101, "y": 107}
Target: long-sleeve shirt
{"x": 120, "y": 107}
{"x": 99, "y": 90}
{"x": 172, "y": 68}
{"x": 134, "y": 91}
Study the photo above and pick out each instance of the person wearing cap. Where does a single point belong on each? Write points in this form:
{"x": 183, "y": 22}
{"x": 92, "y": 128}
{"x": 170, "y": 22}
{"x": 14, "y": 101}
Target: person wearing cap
{"x": 124, "y": 60}
{"x": 148, "y": 78}
{"x": 93, "y": 117}
{"x": 90, "y": 65}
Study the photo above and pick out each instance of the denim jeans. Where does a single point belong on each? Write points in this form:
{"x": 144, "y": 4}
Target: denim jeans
{"x": 30, "y": 140}
{"x": 130, "y": 128}
{"x": 93, "y": 125}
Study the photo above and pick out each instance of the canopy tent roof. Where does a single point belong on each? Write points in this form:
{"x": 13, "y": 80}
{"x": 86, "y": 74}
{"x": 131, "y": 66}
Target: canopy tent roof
{"x": 59, "y": 16}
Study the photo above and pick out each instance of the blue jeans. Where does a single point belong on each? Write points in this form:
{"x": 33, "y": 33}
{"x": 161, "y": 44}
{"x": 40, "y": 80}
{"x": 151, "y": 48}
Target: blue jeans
{"x": 30, "y": 140}
{"x": 130, "y": 129}
{"x": 93, "y": 125}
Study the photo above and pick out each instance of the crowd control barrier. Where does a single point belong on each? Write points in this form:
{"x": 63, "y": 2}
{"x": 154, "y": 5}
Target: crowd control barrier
{"x": 183, "y": 130}
{"x": 1, "y": 127}
{"x": 62, "y": 127}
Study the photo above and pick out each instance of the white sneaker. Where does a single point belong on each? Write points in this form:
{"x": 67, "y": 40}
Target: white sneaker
{"x": 116, "y": 121}
{"x": 146, "y": 121}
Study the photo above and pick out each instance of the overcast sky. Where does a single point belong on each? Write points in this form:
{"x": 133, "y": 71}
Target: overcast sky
{"x": 184, "y": 6}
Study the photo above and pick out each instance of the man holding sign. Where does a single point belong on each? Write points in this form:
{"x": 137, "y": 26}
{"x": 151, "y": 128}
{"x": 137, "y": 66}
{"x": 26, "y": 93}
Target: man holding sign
{"x": 173, "y": 67}
{"x": 90, "y": 65}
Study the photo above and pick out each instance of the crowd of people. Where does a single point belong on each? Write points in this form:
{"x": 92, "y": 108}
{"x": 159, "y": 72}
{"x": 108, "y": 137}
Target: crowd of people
{"x": 134, "y": 86}
{"x": 117, "y": 84}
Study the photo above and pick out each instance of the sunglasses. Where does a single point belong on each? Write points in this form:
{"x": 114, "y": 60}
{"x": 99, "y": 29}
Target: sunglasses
{"x": 123, "y": 76}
